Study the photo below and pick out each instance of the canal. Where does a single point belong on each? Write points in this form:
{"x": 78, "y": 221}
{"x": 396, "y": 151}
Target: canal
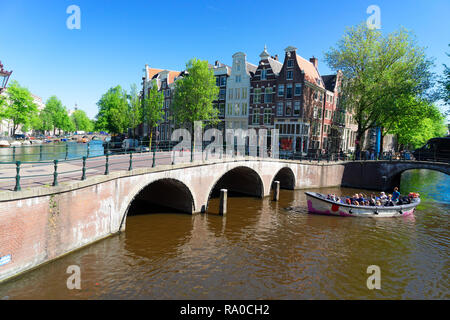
{"x": 262, "y": 251}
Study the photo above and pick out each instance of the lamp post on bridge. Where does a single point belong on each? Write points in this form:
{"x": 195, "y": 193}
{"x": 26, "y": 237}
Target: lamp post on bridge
{"x": 4, "y": 77}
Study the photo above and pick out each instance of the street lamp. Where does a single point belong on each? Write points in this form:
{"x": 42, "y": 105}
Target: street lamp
{"x": 4, "y": 77}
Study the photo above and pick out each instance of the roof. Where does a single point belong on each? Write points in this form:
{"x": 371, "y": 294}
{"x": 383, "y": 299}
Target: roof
{"x": 275, "y": 65}
{"x": 156, "y": 73}
{"x": 251, "y": 67}
{"x": 330, "y": 82}
{"x": 311, "y": 73}
{"x": 152, "y": 71}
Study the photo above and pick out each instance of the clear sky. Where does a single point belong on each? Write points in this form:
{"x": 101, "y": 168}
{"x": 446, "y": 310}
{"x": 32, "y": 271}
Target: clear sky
{"x": 117, "y": 38}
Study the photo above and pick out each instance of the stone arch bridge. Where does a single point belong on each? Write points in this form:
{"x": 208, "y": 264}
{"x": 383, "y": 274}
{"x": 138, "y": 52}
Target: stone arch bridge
{"x": 42, "y": 224}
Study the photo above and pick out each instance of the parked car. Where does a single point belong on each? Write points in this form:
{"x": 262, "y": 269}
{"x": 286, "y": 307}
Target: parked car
{"x": 436, "y": 149}
{"x": 19, "y": 136}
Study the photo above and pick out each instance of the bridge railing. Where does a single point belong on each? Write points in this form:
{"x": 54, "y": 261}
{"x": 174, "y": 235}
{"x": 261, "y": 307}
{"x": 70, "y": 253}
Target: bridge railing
{"x": 114, "y": 157}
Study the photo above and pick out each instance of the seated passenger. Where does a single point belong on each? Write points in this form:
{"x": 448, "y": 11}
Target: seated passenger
{"x": 378, "y": 203}
{"x": 389, "y": 202}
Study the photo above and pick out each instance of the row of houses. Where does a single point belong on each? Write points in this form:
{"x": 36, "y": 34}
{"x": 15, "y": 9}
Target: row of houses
{"x": 290, "y": 96}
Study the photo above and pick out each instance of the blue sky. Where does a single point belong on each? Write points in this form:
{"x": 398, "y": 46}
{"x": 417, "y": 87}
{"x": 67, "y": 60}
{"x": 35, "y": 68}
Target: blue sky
{"x": 117, "y": 38}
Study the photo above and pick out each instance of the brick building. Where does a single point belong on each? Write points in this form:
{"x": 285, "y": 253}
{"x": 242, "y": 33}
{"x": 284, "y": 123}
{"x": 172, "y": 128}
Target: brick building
{"x": 263, "y": 86}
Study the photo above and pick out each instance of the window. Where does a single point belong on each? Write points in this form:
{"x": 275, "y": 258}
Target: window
{"x": 267, "y": 115}
{"x": 257, "y": 95}
{"x": 288, "y": 108}
{"x": 315, "y": 113}
{"x": 237, "y": 110}
{"x": 238, "y": 66}
{"x": 281, "y": 90}
{"x": 289, "y": 75}
{"x": 217, "y": 81}
{"x": 268, "y": 95}
{"x": 279, "y": 108}
{"x": 315, "y": 95}
{"x": 238, "y": 79}
{"x": 289, "y": 91}
{"x": 244, "y": 93}
{"x": 255, "y": 117}
{"x": 223, "y": 81}
{"x": 298, "y": 89}
{"x": 222, "y": 109}
{"x": 321, "y": 96}
{"x": 229, "y": 109}
{"x": 238, "y": 93}
{"x": 296, "y": 108}
{"x": 290, "y": 63}
{"x": 263, "y": 74}
{"x": 230, "y": 94}
{"x": 222, "y": 94}
{"x": 244, "y": 109}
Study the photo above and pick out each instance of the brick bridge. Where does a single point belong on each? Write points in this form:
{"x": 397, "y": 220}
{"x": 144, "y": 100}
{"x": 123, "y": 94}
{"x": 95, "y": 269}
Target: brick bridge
{"x": 43, "y": 223}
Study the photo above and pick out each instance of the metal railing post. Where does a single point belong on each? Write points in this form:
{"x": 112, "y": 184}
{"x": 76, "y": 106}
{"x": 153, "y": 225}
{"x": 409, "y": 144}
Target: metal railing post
{"x": 83, "y": 170}
{"x": 107, "y": 165}
{"x": 14, "y": 153}
{"x": 154, "y": 155}
{"x": 40, "y": 152}
{"x": 55, "y": 173}
{"x": 17, "y": 187}
{"x": 67, "y": 151}
{"x": 131, "y": 161}
{"x": 87, "y": 151}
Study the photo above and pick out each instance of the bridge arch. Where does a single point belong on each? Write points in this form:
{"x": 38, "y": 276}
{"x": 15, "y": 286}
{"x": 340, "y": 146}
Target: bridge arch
{"x": 239, "y": 180}
{"x": 394, "y": 177}
{"x": 286, "y": 177}
{"x": 165, "y": 193}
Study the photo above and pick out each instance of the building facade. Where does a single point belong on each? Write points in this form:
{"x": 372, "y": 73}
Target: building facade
{"x": 238, "y": 92}
{"x": 263, "y": 86}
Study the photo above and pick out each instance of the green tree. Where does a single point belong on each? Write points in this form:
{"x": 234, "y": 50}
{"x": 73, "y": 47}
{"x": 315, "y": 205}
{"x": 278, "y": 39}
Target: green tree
{"x": 19, "y": 107}
{"x": 56, "y": 115}
{"x": 134, "y": 113}
{"x": 81, "y": 121}
{"x": 377, "y": 71}
{"x": 193, "y": 96}
{"x": 113, "y": 108}
{"x": 445, "y": 85}
{"x": 152, "y": 112}
{"x": 420, "y": 122}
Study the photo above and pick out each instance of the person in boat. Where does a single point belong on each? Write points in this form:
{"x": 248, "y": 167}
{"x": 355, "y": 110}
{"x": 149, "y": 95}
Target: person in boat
{"x": 395, "y": 195}
{"x": 389, "y": 202}
{"x": 378, "y": 203}
{"x": 348, "y": 201}
{"x": 361, "y": 198}
{"x": 383, "y": 197}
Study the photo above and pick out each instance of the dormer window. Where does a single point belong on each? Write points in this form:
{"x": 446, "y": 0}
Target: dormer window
{"x": 290, "y": 63}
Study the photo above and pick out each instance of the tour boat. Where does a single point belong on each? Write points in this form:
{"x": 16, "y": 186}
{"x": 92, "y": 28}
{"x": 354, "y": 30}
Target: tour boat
{"x": 4, "y": 144}
{"x": 319, "y": 204}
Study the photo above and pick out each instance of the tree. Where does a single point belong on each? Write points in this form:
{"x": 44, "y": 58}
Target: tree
{"x": 56, "y": 116}
{"x": 152, "y": 112}
{"x": 134, "y": 113}
{"x": 81, "y": 122}
{"x": 445, "y": 84}
{"x": 194, "y": 95}
{"x": 377, "y": 71}
{"x": 112, "y": 111}
{"x": 19, "y": 107}
{"x": 420, "y": 122}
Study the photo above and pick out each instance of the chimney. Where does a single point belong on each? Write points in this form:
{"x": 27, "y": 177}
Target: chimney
{"x": 276, "y": 57}
{"x": 314, "y": 61}
{"x": 216, "y": 63}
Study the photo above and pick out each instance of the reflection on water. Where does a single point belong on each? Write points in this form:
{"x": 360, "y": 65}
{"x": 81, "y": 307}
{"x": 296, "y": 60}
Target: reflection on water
{"x": 261, "y": 251}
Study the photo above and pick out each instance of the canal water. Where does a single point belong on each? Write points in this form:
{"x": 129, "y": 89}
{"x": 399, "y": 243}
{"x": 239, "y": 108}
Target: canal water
{"x": 262, "y": 251}
{"x": 51, "y": 151}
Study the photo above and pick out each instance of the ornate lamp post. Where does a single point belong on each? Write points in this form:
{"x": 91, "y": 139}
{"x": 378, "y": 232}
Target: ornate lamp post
{"x": 4, "y": 77}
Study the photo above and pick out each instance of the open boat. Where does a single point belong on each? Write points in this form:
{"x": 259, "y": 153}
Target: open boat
{"x": 319, "y": 204}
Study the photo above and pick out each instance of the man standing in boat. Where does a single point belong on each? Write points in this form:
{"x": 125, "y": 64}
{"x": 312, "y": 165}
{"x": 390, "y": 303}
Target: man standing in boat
{"x": 395, "y": 195}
